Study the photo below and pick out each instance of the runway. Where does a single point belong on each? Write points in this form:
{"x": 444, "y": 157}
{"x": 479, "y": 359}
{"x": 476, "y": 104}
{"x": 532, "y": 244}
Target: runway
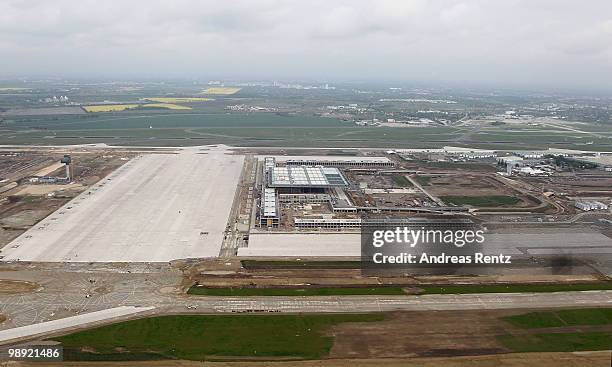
{"x": 76, "y": 289}
{"x": 406, "y": 303}
{"x": 345, "y": 304}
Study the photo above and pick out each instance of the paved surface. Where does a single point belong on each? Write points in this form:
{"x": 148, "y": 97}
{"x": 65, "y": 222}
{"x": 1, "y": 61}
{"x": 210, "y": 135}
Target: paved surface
{"x": 517, "y": 241}
{"x": 302, "y": 244}
{"x": 67, "y": 290}
{"x": 156, "y": 208}
{"x": 69, "y": 322}
{"x": 408, "y": 303}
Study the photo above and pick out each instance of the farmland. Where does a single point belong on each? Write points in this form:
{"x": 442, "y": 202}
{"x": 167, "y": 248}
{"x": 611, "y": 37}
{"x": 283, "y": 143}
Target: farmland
{"x": 13, "y": 89}
{"x": 179, "y": 99}
{"x": 169, "y": 106}
{"x": 198, "y": 113}
{"x": 124, "y": 107}
{"x": 221, "y": 90}
{"x": 110, "y": 107}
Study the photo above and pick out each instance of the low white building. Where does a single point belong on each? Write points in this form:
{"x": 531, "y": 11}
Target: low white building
{"x": 530, "y": 171}
{"x": 511, "y": 159}
{"x": 530, "y": 154}
{"x": 588, "y": 205}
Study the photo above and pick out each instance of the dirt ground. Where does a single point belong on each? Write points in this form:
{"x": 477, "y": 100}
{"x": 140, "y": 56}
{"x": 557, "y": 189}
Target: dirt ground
{"x": 23, "y": 217}
{"x": 473, "y": 185}
{"x": 7, "y": 236}
{"x": 448, "y": 183}
{"x": 46, "y": 189}
{"x": 423, "y": 334}
{"x": 49, "y": 169}
{"x": 468, "y": 185}
{"x": 353, "y": 278}
{"x": 24, "y": 205}
{"x": 579, "y": 185}
{"x": 585, "y": 359}
{"x": 219, "y": 274}
{"x": 16, "y": 216}
{"x": 17, "y": 286}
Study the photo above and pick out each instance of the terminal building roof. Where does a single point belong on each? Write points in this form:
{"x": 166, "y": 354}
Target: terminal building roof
{"x": 306, "y": 176}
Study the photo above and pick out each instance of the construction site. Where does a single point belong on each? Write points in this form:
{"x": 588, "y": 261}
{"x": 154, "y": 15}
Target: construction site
{"x": 36, "y": 184}
{"x": 220, "y": 202}
{"x": 92, "y": 234}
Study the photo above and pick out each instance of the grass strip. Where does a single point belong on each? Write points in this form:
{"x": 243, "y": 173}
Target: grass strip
{"x": 201, "y": 337}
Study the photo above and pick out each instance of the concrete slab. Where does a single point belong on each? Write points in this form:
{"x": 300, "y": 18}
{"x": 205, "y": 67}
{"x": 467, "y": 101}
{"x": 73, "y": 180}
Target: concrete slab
{"x": 348, "y": 244}
{"x": 69, "y": 322}
{"x": 302, "y": 244}
{"x": 156, "y": 208}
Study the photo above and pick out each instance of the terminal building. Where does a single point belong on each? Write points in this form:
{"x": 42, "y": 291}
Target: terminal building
{"x": 295, "y": 184}
{"x": 316, "y": 180}
{"x": 285, "y": 182}
{"x": 411, "y": 223}
{"x": 334, "y": 162}
{"x": 305, "y": 177}
{"x": 270, "y": 214}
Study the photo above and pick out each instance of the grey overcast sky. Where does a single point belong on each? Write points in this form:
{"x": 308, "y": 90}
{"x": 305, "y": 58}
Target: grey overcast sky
{"x": 554, "y": 43}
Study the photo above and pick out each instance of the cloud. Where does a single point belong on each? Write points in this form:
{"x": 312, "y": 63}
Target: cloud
{"x": 593, "y": 40}
{"x": 538, "y": 42}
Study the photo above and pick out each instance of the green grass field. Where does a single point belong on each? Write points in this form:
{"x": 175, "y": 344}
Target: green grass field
{"x": 140, "y": 127}
{"x": 561, "y": 340}
{"x": 202, "y": 337}
{"x": 31, "y": 199}
{"x": 513, "y": 288}
{"x": 424, "y": 289}
{"x": 327, "y": 291}
{"x": 210, "y": 124}
{"x": 401, "y": 181}
{"x": 544, "y": 319}
{"x": 557, "y": 342}
{"x": 481, "y": 201}
{"x": 423, "y": 180}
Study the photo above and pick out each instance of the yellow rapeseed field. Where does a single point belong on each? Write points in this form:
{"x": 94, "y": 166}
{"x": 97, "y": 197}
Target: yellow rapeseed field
{"x": 109, "y": 107}
{"x": 123, "y": 107}
{"x": 170, "y": 106}
{"x": 221, "y": 90}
